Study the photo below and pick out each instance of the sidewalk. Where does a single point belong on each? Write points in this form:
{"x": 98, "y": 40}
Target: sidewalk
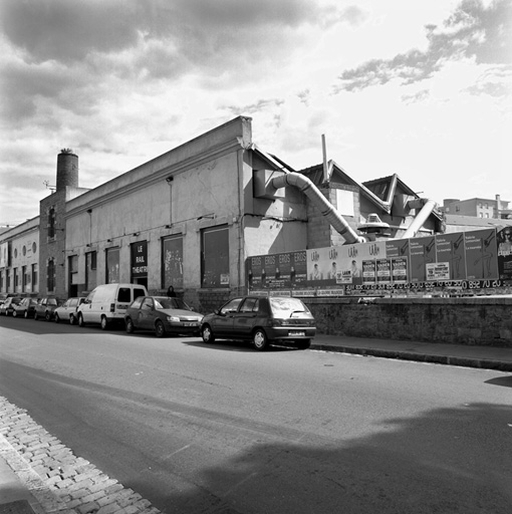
{"x": 22, "y": 491}
{"x": 472, "y": 356}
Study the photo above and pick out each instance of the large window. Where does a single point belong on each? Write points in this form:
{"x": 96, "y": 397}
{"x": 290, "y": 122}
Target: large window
{"x": 172, "y": 262}
{"x": 215, "y": 257}
{"x": 34, "y": 278}
{"x": 112, "y": 271}
{"x": 90, "y": 271}
{"x": 50, "y": 275}
{"x": 51, "y": 222}
{"x": 73, "y": 275}
{"x": 25, "y": 279}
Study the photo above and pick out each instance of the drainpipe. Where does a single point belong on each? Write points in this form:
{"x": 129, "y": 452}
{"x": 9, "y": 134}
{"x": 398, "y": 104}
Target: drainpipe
{"x": 326, "y": 208}
{"x": 420, "y": 219}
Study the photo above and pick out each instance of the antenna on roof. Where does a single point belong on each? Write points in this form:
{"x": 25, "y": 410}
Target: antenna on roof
{"x": 47, "y": 184}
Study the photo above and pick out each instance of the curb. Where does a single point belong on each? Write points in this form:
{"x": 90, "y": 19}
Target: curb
{"x": 467, "y": 362}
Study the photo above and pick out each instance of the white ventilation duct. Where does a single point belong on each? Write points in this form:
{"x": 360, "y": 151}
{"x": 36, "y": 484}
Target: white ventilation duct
{"x": 326, "y": 208}
{"x": 419, "y": 220}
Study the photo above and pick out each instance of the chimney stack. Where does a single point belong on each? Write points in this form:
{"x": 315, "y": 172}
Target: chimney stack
{"x": 67, "y": 169}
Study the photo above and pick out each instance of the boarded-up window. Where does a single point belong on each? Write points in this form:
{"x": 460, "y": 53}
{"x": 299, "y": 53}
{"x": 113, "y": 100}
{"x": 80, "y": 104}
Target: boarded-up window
{"x": 215, "y": 257}
{"x": 172, "y": 262}
{"x": 112, "y": 271}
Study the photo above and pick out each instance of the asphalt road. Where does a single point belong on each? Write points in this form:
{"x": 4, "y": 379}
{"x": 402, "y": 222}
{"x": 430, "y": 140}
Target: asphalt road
{"x": 224, "y": 429}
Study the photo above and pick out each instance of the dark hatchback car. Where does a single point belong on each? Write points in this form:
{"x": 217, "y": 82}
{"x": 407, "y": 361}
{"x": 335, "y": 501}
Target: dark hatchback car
{"x": 26, "y": 308}
{"x": 163, "y": 315}
{"x": 45, "y": 308}
{"x": 262, "y": 320}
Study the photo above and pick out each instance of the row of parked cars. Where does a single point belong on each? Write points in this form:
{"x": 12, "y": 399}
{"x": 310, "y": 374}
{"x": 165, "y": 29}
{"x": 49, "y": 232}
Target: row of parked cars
{"x": 41, "y": 308}
{"x": 261, "y": 320}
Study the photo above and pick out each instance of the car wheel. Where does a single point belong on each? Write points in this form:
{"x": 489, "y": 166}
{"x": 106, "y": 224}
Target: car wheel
{"x": 159, "y": 328}
{"x": 304, "y": 344}
{"x": 81, "y": 322}
{"x": 129, "y": 326}
{"x": 56, "y": 318}
{"x": 207, "y": 334}
{"x": 104, "y": 323}
{"x": 47, "y": 316}
{"x": 14, "y": 314}
{"x": 259, "y": 340}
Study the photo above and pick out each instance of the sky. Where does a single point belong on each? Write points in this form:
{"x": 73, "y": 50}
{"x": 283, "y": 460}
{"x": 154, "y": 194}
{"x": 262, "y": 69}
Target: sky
{"x": 418, "y": 88}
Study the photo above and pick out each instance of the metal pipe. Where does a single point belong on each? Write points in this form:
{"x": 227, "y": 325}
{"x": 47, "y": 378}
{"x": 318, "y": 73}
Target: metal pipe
{"x": 326, "y": 208}
{"x": 420, "y": 219}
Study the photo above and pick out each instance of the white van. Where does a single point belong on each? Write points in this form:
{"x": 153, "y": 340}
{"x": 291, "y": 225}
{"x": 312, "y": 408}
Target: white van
{"x": 108, "y": 303}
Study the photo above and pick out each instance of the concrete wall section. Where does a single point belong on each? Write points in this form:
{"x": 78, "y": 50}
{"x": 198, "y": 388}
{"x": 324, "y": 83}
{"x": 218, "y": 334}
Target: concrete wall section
{"x": 478, "y": 321}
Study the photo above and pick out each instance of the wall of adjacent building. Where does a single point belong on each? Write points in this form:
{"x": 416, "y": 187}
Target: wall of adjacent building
{"x": 22, "y": 242}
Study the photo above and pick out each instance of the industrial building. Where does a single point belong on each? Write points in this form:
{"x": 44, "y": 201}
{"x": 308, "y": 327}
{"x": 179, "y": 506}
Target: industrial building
{"x": 192, "y": 216}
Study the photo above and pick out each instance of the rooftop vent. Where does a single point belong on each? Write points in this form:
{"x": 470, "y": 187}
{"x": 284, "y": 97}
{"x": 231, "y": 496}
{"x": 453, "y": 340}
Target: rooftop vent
{"x": 374, "y": 225}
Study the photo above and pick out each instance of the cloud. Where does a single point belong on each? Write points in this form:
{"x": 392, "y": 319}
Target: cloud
{"x": 417, "y": 97}
{"x": 71, "y": 54}
{"x": 473, "y": 31}
{"x": 195, "y": 32}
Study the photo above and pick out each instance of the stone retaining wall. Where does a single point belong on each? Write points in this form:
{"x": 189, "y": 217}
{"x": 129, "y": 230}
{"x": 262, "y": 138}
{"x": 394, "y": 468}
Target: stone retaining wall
{"x": 475, "y": 321}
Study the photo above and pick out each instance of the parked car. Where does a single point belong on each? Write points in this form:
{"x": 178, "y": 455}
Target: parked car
{"x": 261, "y": 320}
{"x": 7, "y": 307}
{"x": 26, "y": 308}
{"x": 68, "y": 310}
{"x": 163, "y": 315}
{"x": 107, "y": 303}
{"x": 45, "y": 308}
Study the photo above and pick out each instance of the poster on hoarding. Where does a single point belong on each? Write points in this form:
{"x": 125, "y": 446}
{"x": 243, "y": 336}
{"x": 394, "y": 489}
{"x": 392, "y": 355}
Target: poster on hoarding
{"x": 383, "y": 271}
{"x": 438, "y": 271}
{"x": 369, "y": 272}
{"x": 481, "y": 254}
{"x": 422, "y": 252}
{"x": 325, "y": 266}
{"x": 277, "y": 271}
{"x": 397, "y": 248}
{"x": 504, "y": 237}
{"x": 399, "y": 270}
{"x": 298, "y": 269}
{"x": 450, "y": 249}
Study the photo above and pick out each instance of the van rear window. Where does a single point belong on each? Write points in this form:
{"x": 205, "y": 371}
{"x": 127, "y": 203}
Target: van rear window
{"x": 138, "y": 292}
{"x": 124, "y": 295}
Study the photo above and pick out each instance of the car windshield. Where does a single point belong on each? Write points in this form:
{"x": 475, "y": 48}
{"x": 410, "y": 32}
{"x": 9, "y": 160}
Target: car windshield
{"x": 171, "y": 303}
{"x": 287, "y": 307}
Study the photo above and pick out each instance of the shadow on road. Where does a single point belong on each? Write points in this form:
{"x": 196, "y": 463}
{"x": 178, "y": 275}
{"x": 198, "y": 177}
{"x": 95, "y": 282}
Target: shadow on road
{"x": 450, "y": 460}
{"x": 501, "y": 381}
{"x": 233, "y": 346}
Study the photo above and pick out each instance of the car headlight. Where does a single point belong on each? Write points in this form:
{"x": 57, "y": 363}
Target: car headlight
{"x": 173, "y": 319}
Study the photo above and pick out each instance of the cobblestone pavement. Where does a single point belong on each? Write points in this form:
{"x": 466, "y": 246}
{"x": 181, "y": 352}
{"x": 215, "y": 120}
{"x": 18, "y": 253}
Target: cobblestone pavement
{"x": 60, "y": 481}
